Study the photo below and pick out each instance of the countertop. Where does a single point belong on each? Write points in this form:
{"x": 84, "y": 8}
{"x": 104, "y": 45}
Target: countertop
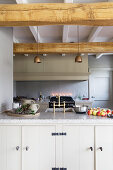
{"x": 59, "y": 117}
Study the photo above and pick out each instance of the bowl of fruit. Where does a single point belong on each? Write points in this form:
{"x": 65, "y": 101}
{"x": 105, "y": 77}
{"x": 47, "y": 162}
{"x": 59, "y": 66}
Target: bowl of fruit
{"x": 100, "y": 112}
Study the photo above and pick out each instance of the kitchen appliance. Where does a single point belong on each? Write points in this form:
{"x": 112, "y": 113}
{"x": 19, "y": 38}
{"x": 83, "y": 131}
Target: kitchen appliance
{"x": 80, "y": 109}
{"x": 69, "y": 102}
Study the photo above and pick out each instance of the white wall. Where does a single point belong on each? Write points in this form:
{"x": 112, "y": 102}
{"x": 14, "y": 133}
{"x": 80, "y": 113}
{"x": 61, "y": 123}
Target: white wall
{"x": 6, "y": 68}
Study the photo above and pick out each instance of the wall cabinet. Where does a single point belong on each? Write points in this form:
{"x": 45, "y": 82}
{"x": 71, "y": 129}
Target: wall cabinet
{"x": 56, "y": 146}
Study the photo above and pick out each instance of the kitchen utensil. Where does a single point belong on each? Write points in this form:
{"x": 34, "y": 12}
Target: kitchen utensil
{"x": 80, "y": 109}
{"x": 34, "y": 107}
{"x": 12, "y": 113}
{"x": 15, "y": 105}
{"x": 27, "y": 101}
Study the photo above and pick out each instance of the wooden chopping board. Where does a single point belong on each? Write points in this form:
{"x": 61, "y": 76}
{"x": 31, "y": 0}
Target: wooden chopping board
{"x": 11, "y": 113}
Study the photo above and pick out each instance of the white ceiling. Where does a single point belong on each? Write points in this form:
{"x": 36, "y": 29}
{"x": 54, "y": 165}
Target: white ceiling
{"x": 55, "y": 33}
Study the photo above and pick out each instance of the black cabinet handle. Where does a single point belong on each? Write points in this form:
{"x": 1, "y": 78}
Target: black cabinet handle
{"x": 91, "y": 148}
{"x": 101, "y": 149}
{"x": 59, "y": 168}
{"x": 59, "y": 134}
{"x": 53, "y": 134}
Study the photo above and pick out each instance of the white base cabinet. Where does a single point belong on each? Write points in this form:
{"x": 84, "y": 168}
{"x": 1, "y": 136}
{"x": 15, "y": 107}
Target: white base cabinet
{"x": 38, "y": 148}
{"x": 104, "y": 147}
{"x": 77, "y": 149}
{"x": 27, "y": 148}
{"x": 10, "y": 151}
{"x": 56, "y": 147}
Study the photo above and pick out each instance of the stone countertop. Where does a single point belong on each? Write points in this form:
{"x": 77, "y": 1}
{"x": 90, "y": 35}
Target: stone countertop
{"x": 48, "y": 117}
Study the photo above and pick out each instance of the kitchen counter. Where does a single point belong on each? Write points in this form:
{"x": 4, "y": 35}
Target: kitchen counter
{"x": 48, "y": 117}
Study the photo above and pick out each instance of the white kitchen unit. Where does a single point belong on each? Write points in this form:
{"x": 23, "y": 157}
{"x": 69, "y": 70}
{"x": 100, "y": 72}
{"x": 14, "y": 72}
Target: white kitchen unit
{"x": 104, "y": 147}
{"x": 27, "y": 147}
{"x": 10, "y": 148}
{"x": 78, "y": 145}
{"x": 56, "y": 145}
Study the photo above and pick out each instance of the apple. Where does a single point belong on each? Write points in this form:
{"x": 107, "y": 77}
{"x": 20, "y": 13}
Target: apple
{"x": 89, "y": 112}
{"x": 108, "y": 111}
{"x": 94, "y": 113}
{"x": 99, "y": 113}
{"x": 103, "y": 113}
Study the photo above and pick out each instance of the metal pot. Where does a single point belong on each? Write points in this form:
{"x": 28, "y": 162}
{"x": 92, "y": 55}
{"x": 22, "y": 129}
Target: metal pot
{"x": 80, "y": 109}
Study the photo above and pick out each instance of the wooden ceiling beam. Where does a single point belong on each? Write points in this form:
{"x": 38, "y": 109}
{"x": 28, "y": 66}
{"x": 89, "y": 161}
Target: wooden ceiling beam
{"x": 95, "y": 14}
{"x": 63, "y": 48}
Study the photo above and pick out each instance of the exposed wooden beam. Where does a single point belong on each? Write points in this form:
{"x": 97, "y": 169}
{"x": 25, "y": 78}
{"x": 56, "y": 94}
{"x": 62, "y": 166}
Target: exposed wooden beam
{"x": 94, "y": 33}
{"x": 64, "y": 48}
{"x": 95, "y": 14}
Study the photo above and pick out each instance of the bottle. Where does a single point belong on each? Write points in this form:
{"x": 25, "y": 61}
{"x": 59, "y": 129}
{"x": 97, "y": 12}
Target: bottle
{"x": 40, "y": 97}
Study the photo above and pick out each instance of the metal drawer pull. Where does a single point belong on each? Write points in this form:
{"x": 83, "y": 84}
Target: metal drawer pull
{"x": 17, "y": 148}
{"x": 101, "y": 149}
{"x": 59, "y": 168}
{"x": 53, "y": 134}
{"x": 64, "y": 134}
{"x": 59, "y": 134}
{"x": 27, "y": 148}
{"x": 91, "y": 148}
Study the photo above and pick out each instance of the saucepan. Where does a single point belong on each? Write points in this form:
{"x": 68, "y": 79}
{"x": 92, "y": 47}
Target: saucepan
{"x": 80, "y": 109}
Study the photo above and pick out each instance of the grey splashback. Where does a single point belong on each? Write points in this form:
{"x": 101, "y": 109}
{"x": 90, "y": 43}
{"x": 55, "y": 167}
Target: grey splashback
{"x": 33, "y": 88}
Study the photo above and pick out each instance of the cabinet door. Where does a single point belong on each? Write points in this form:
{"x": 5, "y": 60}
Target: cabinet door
{"x": 104, "y": 155}
{"x": 76, "y": 147}
{"x": 10, "y": 157}
{"x": 38, "y": 148}
{"x": 86, "y": 139}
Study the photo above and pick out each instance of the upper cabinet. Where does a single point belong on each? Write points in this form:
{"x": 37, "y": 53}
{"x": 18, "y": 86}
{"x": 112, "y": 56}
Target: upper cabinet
{"x": 53, "y": 67}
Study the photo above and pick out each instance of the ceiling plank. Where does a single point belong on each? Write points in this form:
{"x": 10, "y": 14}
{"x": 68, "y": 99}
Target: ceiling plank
{"x": 33, "y": 29}
{"x": 94, "y": 33}
{"x": 15, "y": 40}
{"x": 95, "y": 14}
{"x": 66, "y": 27}
{"x": 63, "y": 48}
{"x": 65, "y": 33}
{"x": 99, "y": 55}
